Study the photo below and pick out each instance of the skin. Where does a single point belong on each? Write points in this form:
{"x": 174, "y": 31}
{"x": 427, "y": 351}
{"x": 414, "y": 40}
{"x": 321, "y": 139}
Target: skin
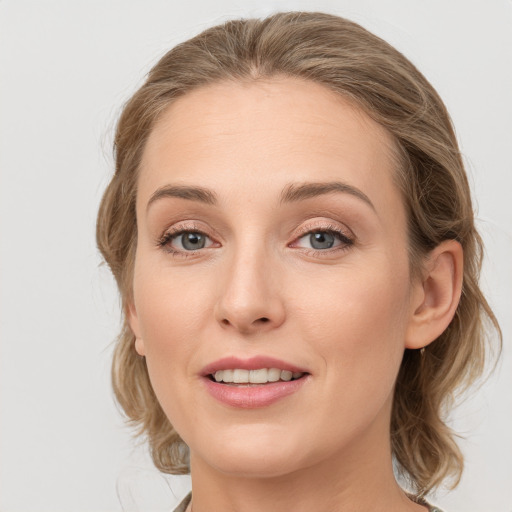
{"x": 258, "y": 287}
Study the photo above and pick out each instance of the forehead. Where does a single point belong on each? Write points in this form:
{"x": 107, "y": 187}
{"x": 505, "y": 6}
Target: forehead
{"x": 266, "y": 133}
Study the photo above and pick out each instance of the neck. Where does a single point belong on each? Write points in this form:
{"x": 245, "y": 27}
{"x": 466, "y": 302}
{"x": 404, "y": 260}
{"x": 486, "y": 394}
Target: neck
{"x": 355, "y": 479}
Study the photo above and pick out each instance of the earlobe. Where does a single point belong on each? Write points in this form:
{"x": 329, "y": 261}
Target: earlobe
{"x": 436, "y": 296}
{"x": 139, "y": 347}
{"x": 133, "y": 320}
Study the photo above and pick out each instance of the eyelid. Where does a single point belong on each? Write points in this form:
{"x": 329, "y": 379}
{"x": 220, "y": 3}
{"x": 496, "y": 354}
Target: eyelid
{"x": 324, "y": 225}
{"x": 188, "y": 225}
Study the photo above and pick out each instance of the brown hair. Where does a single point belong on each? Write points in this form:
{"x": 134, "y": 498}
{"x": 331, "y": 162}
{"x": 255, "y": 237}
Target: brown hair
{"x": 349, "y": 60}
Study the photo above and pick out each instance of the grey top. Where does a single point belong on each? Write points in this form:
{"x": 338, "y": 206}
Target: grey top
{"x": 184, "y": 504}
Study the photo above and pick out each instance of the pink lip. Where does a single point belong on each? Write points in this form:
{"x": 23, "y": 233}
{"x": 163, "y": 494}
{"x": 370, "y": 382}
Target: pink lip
{"x": 251, "y": 396}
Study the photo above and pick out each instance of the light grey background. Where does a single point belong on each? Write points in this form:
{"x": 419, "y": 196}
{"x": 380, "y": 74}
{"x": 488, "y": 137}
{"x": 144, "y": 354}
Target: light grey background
{"x": 65, "y": 70}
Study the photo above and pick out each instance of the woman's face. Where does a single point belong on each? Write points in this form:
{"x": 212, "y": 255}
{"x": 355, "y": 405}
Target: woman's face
{"x": 271, "y": 236}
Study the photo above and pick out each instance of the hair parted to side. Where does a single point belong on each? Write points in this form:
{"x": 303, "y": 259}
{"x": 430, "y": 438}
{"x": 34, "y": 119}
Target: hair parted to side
{"x": 349, "y": 60}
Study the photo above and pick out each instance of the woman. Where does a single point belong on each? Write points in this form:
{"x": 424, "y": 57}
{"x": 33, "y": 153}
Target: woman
{"x": 291, "y": 230}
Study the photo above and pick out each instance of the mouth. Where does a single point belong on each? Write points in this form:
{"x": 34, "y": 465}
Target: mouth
{"x": 253, "y": 383}
{"x": 259, "y": 376}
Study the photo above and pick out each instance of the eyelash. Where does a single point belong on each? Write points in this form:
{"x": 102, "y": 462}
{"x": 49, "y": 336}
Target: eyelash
{"x": 346, "y": 241}
{"x": 173, "y": 233}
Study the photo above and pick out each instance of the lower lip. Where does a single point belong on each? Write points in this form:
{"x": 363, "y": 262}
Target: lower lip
{"x": 253, "y": 396}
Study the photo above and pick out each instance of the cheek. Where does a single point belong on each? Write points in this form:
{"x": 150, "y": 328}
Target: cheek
{"x": 358, "y": 325}
{"x": 169, "y": 322}
{"x": 168, "y": 306}
{"x": 171, "y": 314}
{"x": 358, "y": 299}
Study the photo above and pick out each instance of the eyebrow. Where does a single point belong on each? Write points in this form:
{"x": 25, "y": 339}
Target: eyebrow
{"x": 290, "y": 194}
{"x": 299, "y": 192}
{"x": 192, "y": 193}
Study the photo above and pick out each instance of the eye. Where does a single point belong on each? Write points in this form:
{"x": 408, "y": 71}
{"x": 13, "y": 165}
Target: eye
{"x": 185, "y": 241}
{"x": 323, "y": 239}
{"x": 191, "y": 241}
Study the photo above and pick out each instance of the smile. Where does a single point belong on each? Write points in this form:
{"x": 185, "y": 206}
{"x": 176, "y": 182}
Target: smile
{"x": 253, "y": 383}
{"x": 258, "y": 376}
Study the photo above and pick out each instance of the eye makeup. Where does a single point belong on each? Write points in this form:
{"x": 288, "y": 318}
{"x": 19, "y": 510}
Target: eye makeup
{"x": 325, "y": 239}
{"x": 317, "y": 238}
{"x": 192, "y": 238}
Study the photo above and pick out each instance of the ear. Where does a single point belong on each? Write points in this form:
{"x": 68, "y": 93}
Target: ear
{"x": 436, "y": 295}
{"x": 133, "y": 320}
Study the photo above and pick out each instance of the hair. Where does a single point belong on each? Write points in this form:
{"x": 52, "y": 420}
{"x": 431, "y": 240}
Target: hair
{"x": 375, "y": 77}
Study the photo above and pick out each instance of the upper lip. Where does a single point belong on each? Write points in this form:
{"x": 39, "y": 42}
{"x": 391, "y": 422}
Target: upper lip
{"x": 252, "y": 363}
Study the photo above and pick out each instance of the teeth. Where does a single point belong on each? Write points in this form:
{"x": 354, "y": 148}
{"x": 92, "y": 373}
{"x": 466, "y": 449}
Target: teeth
{"x": 286, "y": 375}
{"x": 241, "y": 376}
{"x": 224, "y": 376}
{"x": 274, "y": 374}
{"x": 228, "y": 376}
{"x": 260, "y": 376}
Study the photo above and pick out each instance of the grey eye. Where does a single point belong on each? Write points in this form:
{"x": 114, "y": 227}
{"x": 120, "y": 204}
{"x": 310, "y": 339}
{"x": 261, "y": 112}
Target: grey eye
{"x": 192, "y": 241}
{"x": 322, "y": 240}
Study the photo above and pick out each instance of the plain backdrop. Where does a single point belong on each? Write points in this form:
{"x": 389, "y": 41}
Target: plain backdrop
{"x": 66, "y": 68}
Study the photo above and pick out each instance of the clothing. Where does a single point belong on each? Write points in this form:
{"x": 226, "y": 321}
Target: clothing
{"x": 421, "y": 501}
{"x": 184, "y": 504}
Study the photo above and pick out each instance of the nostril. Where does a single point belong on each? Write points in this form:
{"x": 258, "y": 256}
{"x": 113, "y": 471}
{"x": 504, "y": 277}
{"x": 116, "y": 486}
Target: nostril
{"x": 246, "y": 324}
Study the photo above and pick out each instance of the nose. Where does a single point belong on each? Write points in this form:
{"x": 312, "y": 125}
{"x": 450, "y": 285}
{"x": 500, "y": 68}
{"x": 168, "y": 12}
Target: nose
{"x": 250, "y": 300}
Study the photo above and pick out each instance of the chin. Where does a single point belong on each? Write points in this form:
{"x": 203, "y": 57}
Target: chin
{"x": 254, "y": 454}
{"x": 258, "y": 465}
